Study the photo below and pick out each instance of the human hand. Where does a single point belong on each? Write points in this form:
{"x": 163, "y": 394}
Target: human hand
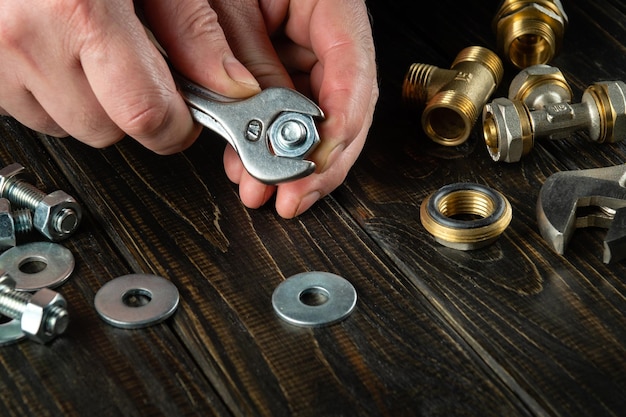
{"x": 86, "y": 68}
{"x": 324, "y": 48}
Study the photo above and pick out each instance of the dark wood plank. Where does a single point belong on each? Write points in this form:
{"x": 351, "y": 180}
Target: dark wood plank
{"x": 511, "y": 329}
{"x": 554, "y": 324}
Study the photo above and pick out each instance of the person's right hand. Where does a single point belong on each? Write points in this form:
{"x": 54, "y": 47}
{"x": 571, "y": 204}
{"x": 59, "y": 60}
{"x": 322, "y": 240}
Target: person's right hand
{"x": 87, "y": 68}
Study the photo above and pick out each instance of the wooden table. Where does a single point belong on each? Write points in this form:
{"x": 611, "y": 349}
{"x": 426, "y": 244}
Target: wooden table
{"x": 512, "y": 329}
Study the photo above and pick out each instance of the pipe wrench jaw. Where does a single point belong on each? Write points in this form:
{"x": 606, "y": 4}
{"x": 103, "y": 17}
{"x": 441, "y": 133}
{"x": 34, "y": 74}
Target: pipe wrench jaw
{"x": 585, "y": 198}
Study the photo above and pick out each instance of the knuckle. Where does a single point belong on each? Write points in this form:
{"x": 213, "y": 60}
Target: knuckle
{"x": 145, "y": 117}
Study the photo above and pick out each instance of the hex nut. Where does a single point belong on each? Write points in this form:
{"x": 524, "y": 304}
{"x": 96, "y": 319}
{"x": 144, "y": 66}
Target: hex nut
{"x": 505, "y": 132}
{"x": 57, "y": 216}
{"x": 36, "y": 317}
{"x": 539, "y": 85}
{"x": 7, "y": 226}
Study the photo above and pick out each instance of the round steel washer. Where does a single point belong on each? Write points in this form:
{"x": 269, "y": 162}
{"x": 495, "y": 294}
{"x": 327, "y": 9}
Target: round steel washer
{"x": 58, "y": 260}
{"x": 288, "y": 304}
{"x": 11, "y": 332}
{"x": 110, "y": 305}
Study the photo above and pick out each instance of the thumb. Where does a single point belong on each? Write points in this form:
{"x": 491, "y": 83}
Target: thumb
{"x": 195, "y": 44}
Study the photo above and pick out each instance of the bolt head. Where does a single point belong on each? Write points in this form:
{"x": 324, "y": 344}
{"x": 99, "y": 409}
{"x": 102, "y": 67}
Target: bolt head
{"x": 8, "y": 173}
{"x": 7, "y": 226}
{"x": 57, "y": 216}
{"x": 45, "y": 316}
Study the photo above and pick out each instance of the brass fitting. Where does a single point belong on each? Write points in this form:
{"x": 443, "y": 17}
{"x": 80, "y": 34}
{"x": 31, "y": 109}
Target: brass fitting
{"x": 539, "y": 107}
{"x": 453, "y": 98}
{"x": 465, "y": 216}
{"x": 530, "y": 32}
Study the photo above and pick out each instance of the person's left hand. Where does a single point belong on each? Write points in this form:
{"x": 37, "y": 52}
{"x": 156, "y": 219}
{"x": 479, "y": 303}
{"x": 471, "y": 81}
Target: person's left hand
{"x": 323, "y": 48}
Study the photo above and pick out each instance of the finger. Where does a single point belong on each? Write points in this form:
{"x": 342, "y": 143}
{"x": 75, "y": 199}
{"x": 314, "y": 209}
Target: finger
{"x": 131, "y": 80}
{"x": 190, "y": 33}
{"x": 252, "y": 192}
{"x": 344, "y": 79}
{"x": 22, "y": 106}
{"x": 244, "y": 26}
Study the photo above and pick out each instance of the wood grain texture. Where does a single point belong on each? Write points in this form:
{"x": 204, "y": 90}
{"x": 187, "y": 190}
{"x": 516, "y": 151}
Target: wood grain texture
{"x": 512, "y": 329}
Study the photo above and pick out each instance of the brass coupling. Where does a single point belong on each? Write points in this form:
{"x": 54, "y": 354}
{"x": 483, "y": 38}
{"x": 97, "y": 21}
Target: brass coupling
{"x": 530, "y": 32}
{"x": 453, "y": 98}
{"x": 539, "y": 107}
{"x": 466, "y": 216}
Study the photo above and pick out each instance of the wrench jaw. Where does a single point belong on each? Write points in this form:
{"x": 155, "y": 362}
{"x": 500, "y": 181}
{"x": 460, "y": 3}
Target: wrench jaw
{"x": 615, "y": 240}
{"x": 272, "y": 132}
{"x": 584, "y": 198}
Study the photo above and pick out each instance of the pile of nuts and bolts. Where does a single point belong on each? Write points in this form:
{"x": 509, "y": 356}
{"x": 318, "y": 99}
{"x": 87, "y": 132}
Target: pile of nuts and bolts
{"x": 24, "y": 208}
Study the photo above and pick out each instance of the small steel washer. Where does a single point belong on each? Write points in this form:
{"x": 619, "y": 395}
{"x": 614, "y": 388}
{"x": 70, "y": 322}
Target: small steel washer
{"x": 110, "y": 300}
{"x": 58, "y": 264}
{"x": 337, "y": 299}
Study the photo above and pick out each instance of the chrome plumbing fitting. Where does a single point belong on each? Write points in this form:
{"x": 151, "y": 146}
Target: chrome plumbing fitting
{"x": 529, "y": 32}
{"x": 453, "y": 98}
{"x": 539, "y": 107}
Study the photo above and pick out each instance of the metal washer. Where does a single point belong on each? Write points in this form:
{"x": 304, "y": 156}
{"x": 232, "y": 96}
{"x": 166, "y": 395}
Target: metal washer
{"x": 340, "y": 299}
{"x": 58, "y": 260}
{"x": 110, "y": 305}
{"x": 11, "y": 332}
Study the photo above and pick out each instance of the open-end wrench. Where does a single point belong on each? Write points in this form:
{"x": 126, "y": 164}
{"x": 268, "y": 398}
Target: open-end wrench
{"x": 272, "y": 131}
{"x": 585, "y": 198}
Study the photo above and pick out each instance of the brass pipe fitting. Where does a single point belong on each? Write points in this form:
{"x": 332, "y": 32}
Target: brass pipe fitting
{"x": 530, "y": 32}
{"x": 512, "y": 125}
{"x": 453, "y": 98}
{"x": 465, "y": 216}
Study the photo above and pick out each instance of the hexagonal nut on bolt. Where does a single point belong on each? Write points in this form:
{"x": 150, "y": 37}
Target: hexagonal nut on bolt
{"x": 504, "y": 131}
{"x": 610, "y": 99}
{"x": 42, "y": 315}
{"x": 37, "y": 322}
{"x": 7, "y": 226}
{"x": 539, "y": 85}
{"x": 57, "y": 216}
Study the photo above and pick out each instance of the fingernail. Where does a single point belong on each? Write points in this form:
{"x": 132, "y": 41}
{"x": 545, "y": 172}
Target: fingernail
{"x": 307, "y": 201}
{"x": 240, "y": 74}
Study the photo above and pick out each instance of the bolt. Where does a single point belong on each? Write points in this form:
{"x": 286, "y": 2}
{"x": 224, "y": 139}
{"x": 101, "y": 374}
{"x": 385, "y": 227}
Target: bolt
{"x": 293, "y": 135}
{"x": 42, "y": 315}
{"x": 55, "y": 215}
{"x": 11, "y": 223}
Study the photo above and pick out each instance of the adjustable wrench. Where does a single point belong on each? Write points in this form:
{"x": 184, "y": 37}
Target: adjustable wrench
{"x": 585, "y": 198}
